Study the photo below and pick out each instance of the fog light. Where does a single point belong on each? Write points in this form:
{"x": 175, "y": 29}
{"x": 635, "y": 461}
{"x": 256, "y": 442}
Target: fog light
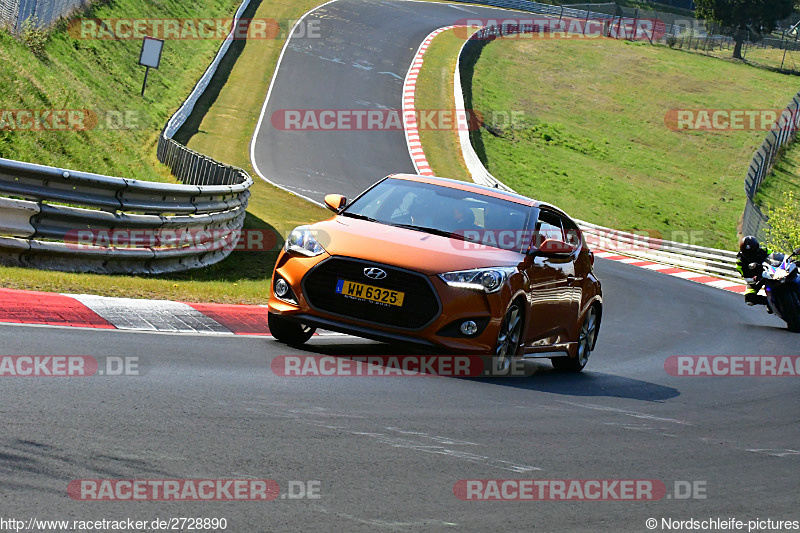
{"x": 469, "y": 328}
{"x": 281, "y": 288}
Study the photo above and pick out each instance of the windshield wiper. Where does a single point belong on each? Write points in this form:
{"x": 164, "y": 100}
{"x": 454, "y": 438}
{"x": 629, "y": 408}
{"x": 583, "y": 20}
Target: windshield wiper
{"x": 358, "y": 216}
{"x": 434, "y": 231}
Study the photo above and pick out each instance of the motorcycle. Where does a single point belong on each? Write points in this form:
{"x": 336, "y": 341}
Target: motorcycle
{"x": 781, "y": 282}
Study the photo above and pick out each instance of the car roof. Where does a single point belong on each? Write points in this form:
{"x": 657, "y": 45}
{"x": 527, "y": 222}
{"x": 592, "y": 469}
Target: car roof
{"x": 472, "y": 187}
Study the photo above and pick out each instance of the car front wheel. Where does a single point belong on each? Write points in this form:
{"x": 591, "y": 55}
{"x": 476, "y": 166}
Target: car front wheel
{"x": 288, "y": 331}
{"x": 508, "y": 340}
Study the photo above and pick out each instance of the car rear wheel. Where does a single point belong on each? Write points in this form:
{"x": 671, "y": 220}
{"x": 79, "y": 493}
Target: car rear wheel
{"x": 585, "y": 344}
{"x": 288, "y": 331}
{"x": 508, "y": 340}
{"x": 789, "y": 304}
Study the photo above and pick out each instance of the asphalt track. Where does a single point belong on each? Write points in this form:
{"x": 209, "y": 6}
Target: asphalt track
{"x": 388, "y": 451}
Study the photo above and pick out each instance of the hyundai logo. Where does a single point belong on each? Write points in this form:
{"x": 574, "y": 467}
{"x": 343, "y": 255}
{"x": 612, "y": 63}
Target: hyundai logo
{"x": 374, "y": 273}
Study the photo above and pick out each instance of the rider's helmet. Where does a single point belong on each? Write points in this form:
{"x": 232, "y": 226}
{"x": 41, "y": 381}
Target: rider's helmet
{"x": 748, "y": 245}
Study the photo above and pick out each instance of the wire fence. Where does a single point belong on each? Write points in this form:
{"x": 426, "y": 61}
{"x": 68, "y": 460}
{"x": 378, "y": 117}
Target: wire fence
{"x": 754, "y": 221}
{"x": 45, "y": 12}
{"x": 676, "y": 27}
{"x": 779, "y": 51}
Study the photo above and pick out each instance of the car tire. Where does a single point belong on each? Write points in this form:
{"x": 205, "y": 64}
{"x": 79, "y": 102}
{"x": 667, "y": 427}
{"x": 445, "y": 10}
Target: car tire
{"x": 586, "y": 340}
{"x": 289, "y": 331}
{"x": 508, "y": 340}
{"x": 789, "y": 304}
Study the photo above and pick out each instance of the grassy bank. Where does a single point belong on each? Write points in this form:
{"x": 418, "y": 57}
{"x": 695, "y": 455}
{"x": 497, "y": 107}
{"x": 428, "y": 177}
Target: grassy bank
{"x": 103, "y": 77}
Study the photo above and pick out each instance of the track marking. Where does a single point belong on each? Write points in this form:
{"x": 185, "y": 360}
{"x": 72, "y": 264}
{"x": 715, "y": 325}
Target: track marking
{"x": 634, "y": 414}
{"x": 440, "y": 446}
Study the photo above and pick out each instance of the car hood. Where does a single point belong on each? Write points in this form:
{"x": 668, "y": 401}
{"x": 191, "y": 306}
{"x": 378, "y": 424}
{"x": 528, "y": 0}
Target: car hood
{"x": 405, "y": 248}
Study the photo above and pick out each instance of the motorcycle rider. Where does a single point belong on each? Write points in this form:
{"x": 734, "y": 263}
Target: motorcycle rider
{"x": 751, "y": 253}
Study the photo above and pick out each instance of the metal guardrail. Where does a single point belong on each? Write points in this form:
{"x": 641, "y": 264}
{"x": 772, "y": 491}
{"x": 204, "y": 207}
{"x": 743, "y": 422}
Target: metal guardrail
{"x": 45, "y": 212}
{"x": 51, "y": 209}
{"x": 718, "y": 263}
{"x": 183, "y": 112}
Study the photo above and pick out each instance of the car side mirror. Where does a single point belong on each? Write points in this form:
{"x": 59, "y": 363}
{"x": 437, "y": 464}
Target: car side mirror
{"x": 554, "y": 248}
{"x": 335, "y": 202}
{"x": 796, "y": 251}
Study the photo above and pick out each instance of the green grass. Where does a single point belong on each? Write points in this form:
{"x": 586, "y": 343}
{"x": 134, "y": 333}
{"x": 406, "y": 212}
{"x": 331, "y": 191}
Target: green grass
{"x": 594, "y": 139}
{"x": 228, "y": 112}
{"x": 768, "y": 57}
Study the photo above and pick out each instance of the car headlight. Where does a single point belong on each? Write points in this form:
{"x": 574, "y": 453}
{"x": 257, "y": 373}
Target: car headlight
{"x": 488, "y": 280}
{"x": 302, "y": 241}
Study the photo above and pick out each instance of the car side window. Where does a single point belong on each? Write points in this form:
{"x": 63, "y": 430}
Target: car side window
{"x": 573, "y": 234}
{"x": 548, "y": 227}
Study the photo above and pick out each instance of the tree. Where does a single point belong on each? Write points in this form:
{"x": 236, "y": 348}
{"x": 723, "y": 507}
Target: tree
{"x": 784, "y": 221}
{"x": 34, "y": 36}
{"x": 743, "y": 18}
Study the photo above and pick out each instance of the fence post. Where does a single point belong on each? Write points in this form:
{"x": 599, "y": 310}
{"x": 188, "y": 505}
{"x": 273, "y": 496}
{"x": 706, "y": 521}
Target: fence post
{"x": 586, "y": 21}
{"x": 184, "y": 163}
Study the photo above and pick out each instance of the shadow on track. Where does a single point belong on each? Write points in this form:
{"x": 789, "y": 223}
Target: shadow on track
{"x": 587, "y": 383}
{"x": 534, "y": 376}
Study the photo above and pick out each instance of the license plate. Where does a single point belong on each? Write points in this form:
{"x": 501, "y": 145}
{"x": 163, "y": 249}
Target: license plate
{"x": 368, "y": 292}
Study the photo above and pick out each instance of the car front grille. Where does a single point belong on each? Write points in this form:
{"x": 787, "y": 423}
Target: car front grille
{"x": 420, "y": 305}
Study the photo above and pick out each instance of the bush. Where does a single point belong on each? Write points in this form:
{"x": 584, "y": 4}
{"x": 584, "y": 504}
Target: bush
{"x": 33, "y": 36}
{"x": 672, "y": 41}
{"x": 784, "y": 234}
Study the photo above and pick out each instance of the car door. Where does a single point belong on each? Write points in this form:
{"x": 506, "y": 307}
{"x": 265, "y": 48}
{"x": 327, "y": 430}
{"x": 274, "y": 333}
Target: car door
{"x": 551, "y": 281}
{"x": 581, "y": 264}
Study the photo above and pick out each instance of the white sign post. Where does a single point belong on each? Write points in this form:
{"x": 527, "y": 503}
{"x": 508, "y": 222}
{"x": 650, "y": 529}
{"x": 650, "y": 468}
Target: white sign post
{"x": 150, "y": 56}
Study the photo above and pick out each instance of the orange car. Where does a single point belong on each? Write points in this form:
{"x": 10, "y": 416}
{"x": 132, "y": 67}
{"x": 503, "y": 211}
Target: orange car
{"x": 443, "y": 264}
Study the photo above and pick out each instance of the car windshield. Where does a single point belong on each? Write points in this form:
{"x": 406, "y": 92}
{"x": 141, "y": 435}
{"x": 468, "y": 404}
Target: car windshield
{"x": 444, "y": 211}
